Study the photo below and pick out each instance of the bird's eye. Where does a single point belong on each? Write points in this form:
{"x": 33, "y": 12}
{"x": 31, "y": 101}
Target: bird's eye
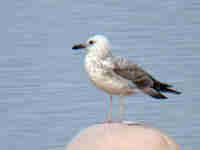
{"x": 91, "y": 42}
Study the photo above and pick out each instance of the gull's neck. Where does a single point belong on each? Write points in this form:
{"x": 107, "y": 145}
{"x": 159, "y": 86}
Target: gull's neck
{"x": 98, "y": 56}
{"x": 99, "y": 53}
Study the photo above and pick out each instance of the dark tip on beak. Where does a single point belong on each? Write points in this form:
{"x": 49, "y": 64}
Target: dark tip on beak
{"x": 79, "y": 46}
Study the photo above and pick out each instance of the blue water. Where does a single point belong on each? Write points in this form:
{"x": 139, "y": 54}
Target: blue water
{"x": 45, "y": 95}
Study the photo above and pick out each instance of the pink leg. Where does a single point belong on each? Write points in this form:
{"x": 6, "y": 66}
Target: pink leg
{"x": 110, "y": 111}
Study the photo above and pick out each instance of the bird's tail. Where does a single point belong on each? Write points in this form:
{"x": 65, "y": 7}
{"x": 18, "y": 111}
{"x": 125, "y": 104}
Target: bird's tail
{"x": 155, "y": 94}
{"x": 164, "y": 87}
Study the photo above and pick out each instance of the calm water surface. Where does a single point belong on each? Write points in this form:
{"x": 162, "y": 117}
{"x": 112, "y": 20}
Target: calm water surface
{"x": 45, "y": 95}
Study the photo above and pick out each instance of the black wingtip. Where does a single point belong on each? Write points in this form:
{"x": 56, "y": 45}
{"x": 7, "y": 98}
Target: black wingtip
{"x": 169, "y": 90}
{"x": 155, "y": 94}
{"x": 159, "y": 96}
{"x": 164, "y": 87}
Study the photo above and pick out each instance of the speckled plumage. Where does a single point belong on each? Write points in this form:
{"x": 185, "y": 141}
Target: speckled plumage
{"x": 116, "y": 75}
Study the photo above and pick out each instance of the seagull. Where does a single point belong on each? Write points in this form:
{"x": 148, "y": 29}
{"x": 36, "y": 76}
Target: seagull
{"x": 118, "y": 76}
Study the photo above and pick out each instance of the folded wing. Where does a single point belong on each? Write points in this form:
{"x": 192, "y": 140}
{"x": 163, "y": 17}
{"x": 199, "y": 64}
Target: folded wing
{"x": 143, "y": 80}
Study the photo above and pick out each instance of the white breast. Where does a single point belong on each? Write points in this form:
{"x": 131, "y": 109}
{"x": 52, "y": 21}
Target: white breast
{"x": 104, "y": 79}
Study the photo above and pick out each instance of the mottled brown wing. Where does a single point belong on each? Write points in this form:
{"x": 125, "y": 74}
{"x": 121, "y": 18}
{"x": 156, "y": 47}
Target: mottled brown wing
{"x": 131, "y": 71}
{"x": 143, "y": 80}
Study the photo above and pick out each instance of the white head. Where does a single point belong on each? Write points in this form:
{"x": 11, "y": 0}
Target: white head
{"x": 97, "y": 45}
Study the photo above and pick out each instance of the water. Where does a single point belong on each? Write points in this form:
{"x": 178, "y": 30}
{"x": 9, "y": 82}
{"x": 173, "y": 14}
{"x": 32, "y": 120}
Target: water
{"x": 45, "y": 95}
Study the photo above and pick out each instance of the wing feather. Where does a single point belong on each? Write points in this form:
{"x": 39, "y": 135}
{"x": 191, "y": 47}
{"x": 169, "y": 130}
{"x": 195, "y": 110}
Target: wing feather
{"x": 142, "y": 79}
{"x": 131, "y": 71}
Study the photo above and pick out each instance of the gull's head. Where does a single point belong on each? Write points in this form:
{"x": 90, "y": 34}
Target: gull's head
{"x": 98, "y": 45}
